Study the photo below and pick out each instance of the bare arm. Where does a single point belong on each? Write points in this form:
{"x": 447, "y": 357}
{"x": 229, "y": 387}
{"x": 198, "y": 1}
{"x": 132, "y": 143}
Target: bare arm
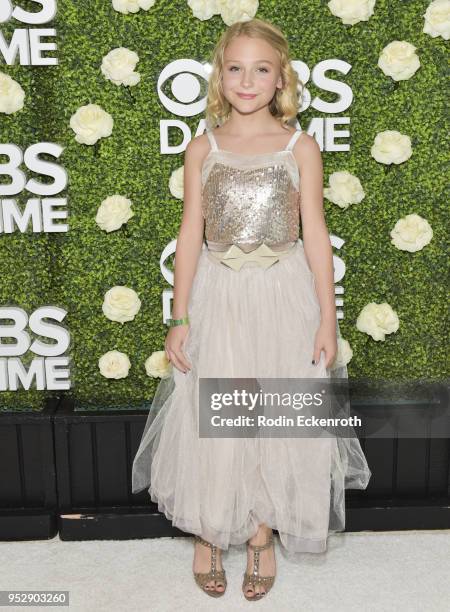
{"x": 190, "y": 237}
{"x": 316, "y": 240}
{"x": 189, "y": 245}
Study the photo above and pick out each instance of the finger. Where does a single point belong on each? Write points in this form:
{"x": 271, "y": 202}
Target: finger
{"x": 176, "y": 362}
{"x": 323, "y": 355}
{"x": 179, "y": 358}
{"x": 183, "y": 348}
{"x": 182, "y": 358}
{"x": 189, "y": 365}
{"x": 330, "y": 355}
{"x": 185, "y": 361}
{"x": 316, "y": 355}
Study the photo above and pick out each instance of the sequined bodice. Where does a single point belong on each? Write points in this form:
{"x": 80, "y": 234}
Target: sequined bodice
{"x": 250, "y": 199}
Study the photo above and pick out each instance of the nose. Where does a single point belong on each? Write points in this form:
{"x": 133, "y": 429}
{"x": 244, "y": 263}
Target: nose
{"x": 246, "y": 80}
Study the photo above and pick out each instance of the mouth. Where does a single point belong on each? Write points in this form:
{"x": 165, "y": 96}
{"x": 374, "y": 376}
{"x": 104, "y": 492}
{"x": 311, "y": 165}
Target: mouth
{"x": 246, "y": 96}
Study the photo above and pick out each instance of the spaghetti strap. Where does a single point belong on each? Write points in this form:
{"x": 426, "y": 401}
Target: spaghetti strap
{"x": 292, "y": 141}
{"x": 212, "y": 140}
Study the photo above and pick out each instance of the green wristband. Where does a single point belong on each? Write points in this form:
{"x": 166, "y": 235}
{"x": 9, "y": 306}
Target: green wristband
{"x": 173, "y": 322}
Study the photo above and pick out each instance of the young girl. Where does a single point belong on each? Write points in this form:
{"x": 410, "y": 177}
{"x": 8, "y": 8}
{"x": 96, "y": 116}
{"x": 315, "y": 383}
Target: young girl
{"x": 254, "y": 301}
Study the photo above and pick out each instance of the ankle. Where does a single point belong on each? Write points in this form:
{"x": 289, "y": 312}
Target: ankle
{"x": 261, "y": 536}
{"x": 203, "y": 555}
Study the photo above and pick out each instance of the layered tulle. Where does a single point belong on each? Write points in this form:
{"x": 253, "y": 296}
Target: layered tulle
{"x": 255, "y": 323}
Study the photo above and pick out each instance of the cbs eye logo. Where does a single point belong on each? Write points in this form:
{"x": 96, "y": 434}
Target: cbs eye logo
{"x": 189, "y": 80}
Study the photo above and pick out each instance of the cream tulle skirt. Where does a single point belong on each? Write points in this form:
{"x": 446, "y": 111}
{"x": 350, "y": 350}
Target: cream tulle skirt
{"x": 253, "y": 323}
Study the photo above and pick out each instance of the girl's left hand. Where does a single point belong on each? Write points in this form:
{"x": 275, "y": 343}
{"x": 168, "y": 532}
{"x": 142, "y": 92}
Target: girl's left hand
{"x": 326, "y": 341}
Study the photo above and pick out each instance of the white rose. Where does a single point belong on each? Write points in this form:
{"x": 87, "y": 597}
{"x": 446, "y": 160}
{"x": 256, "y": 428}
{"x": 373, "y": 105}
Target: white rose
{"x": 121, "y": 304}
{"x": 437, "y": 19}
{"x": 411, "y": 233}
{"x": 343, "y": 355}
{"x": 233, "y": 11}
{"x": 344, "y": 189}
{"x": 114, "y": 364}
{"x": 391, "y": 147}
{"x": 204, "y": 9}
{"x": 118, "y": 66}
{"x": 399, "y": 60}
{"x": 352, "y": 11}
{"x": 176, "y": 183}
{"x": 113, "y": 212}
{"x": 11, "y": 95}
{"x": 157, "y": 365}
{"x": 90, "y": 123}
{"x": 377, "y": 320}
{"x": 132, "y": 6}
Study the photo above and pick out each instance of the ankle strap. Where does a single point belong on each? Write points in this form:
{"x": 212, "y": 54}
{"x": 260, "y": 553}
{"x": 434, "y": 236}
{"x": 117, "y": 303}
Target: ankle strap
{"x": 204, "y": 542}
{"x": 257, "y": 548}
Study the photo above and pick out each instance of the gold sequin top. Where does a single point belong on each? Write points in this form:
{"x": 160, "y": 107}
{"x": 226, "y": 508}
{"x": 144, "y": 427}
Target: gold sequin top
{"x": 251, "y": 199}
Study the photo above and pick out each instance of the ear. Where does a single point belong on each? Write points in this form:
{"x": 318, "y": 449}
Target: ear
{"x": 280, "y": 83}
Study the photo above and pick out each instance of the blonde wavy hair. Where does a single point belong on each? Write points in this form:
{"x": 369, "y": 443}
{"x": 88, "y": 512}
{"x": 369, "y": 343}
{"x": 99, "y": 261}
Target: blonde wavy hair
{"x": 285, "y": 102}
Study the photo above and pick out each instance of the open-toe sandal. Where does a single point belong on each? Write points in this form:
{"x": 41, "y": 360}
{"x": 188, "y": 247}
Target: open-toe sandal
{"x": 202, "y": 578}
{"x": 255, "y": 578}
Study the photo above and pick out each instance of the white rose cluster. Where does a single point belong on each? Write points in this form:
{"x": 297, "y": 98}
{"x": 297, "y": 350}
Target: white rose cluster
{"x": 352, "y": 11}
{"x": 114, "y": 364}
{"x": 344, "y": 189}
{"x": 176, "y": 183}
{"x": 121, "y": 304}
{"x": 437, "y": 19}
{"x": 411, "y": 233}
{"x": 231, "y": 11}
{"x": 399, "y": 60}
{"x": 391, "y": 147}
{"x": 90, "y": 123}
{"x": 157, "y": 365}
{"x": 113, "y": 212}
{"x": 12, "y": 95}
{"x": 119, "y": 67}
{"x": 131, "y": 6}
{"x": 377, "y": 320}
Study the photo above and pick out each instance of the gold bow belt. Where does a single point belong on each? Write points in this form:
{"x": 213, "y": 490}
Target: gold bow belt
{"x": 263, "y": 256}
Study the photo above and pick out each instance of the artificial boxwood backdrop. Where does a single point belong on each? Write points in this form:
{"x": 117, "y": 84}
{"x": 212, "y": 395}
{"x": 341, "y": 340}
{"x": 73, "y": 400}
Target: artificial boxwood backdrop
{"x": 73, "y": 270}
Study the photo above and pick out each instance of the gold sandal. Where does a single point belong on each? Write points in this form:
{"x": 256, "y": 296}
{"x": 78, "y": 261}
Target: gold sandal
{"x": 202, "y": 578}
{"x": 254, "y": 578}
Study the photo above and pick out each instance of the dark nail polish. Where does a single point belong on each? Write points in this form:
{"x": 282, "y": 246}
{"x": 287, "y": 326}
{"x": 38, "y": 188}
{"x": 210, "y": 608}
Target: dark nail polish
{"x": 313, "y": 362}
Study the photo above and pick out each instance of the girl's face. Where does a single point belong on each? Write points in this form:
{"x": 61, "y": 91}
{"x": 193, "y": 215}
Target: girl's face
{"x": 251, "y": 73}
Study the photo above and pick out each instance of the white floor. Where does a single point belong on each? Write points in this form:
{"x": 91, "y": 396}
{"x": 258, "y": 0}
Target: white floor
{"x": 367, "y": 571}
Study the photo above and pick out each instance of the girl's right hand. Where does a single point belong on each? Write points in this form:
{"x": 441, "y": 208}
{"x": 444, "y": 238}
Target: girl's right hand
{"x": 174, "y": 347}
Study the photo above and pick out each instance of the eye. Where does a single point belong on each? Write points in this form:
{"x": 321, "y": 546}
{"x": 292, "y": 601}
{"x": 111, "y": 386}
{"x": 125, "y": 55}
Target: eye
{"x": 261, "y": 68}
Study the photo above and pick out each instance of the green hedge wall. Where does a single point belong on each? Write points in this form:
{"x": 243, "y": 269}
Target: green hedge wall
{"x": 74, "y": 270}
